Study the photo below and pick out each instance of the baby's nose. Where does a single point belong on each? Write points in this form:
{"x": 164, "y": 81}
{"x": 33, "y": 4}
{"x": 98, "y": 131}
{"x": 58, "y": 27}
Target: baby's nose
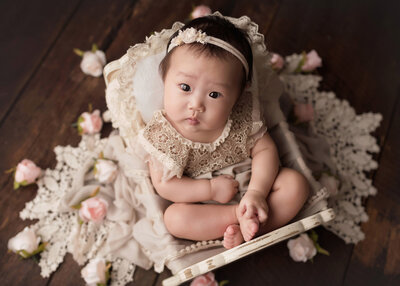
{"x": 196, "y": 104}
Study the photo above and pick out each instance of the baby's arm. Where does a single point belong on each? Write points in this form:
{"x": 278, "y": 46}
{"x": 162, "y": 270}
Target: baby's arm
{"x": 265, "y": 165}
{"x": 188, "y": 190}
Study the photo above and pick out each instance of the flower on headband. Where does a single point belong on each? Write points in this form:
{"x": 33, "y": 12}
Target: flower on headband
{"x": 188, "y": 36}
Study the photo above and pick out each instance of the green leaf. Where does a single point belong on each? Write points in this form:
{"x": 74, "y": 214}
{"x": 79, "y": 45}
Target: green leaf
{"x": 41, "y": 247}
{"x": 95, "y": 192}
{"x": 16, "y": 185}
{"x": 94, "y": 48}
{"x": 223, "y": 282}
{"x": 321, "y": 250}
{"x": 314, "y": 236}
{"x": 301, "y": 63}
{"x": 77, "y": 206}
{"x": 9, "y": 171}
{"x": 78, "y": 52}
{"x": 23, "y": 253}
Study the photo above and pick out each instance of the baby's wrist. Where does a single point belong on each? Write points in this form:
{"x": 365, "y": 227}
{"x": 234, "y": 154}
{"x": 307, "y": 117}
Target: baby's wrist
{"x": 257, "y": 191}
{"x": 210, "y": 189}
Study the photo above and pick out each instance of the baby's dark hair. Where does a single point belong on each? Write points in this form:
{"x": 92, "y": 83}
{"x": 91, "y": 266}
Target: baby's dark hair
{"x": 220, "y": 28}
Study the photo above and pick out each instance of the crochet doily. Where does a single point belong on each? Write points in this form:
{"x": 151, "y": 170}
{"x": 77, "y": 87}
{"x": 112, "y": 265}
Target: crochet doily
{"x": 351, "y": 147}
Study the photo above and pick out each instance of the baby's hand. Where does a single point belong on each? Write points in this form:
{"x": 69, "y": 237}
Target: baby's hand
{"x": 254, "y": 204}
{"x": 223, "y": 188}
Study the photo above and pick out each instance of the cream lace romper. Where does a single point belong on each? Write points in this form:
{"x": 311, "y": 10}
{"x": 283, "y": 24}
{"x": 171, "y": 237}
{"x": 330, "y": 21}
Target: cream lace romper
{"x": 228, "y": 154}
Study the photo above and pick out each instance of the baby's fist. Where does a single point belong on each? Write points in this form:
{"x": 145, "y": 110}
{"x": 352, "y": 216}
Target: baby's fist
{"x": 223, "y": 188}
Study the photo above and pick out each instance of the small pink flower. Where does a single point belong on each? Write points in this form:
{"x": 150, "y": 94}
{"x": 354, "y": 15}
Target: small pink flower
{"x": 304, "y": 112}
{"x": 200, "y": 11}
{"x": 93, "y": 209}
{"x": 93, "y": 62}
{"x": 330, "y": 183}
{"x": 301, "y": 248}
{"x": 312, "y": 61}
{"x": 277, "y": 62}
{"x": 205, "y": 280}
{"x": 27, "y": 172}
{"x": 90, "y": 123}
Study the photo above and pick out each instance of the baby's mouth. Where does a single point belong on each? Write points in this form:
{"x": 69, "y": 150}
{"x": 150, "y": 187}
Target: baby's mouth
{"x": 193, "y": 121}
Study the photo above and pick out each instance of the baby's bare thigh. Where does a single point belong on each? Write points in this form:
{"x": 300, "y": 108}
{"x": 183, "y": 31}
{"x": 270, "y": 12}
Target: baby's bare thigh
{"x": 290, "y": 183}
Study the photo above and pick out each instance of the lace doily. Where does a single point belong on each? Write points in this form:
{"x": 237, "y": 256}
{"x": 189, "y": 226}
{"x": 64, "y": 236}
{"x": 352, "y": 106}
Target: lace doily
{"x": 61, "y": 230}
{"x": 351, "y": 146}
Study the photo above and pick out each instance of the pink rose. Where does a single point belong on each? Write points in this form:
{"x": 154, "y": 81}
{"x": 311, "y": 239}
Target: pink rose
{"x": 200, "y": 11}
{"x": 312, "y": 61}
{"x": 94, "y": 272}
{"x": 93, "y": 62}
{"x": 90, "y": 123}
{"x": 277, "y": 62}
{"x": 304, "y": 112}
{"x": 26, "y": 173}
{"x": 301, "y": 248}
{"x": 93, "y": 209}
{"x": 205, "y": 280}
{"x": 330, "y": 183}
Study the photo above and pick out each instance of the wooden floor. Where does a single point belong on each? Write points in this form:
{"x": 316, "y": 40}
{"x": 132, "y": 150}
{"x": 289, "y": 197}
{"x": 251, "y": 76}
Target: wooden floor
{"x": 43, "y": 91}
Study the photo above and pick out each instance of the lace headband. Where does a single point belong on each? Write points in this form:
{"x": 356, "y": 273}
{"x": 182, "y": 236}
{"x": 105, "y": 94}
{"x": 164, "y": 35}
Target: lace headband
{"x": 192, "y": 35}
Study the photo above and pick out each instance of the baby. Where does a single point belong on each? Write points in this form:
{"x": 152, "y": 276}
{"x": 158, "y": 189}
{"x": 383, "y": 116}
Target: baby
{"x": 206, "y": 125}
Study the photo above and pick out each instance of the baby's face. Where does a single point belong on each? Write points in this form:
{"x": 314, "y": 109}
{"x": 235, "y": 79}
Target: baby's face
{"x": 199, "y": 93}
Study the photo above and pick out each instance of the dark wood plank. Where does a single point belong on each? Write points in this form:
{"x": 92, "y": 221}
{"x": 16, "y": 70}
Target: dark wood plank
{"x": 42, "y": 117}
{"x": 377, "y": 258}
{"x": 25, "y": 40}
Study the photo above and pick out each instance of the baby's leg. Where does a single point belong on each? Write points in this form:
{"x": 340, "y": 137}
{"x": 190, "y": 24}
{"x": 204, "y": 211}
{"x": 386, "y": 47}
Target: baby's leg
{"x": 199, "y": 221}
{"x": 288, "y": 195}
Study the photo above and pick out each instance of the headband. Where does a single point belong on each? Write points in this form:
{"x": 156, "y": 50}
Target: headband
{"x": 192, "y": 35}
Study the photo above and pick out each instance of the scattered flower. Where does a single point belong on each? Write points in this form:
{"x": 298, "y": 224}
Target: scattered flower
{"x": 26, "y": 173}
{"x": 277, "y": 62}
{"x": 301, "y": 248}
{"x": 200, "y": 11}
{"x": 93, "y": 209}
{"x": 92, "y": 61}
{"x": 205, "y": 280}
{"x": 96, "y": 272}
{"x": 105, "y": 171}
{"x": 330, "y": 183}
{"x": 90, "y": 123}
{"x": 311, "y": 61}
{"x": 303, "y": 112}
{"x": 26, "y": 243}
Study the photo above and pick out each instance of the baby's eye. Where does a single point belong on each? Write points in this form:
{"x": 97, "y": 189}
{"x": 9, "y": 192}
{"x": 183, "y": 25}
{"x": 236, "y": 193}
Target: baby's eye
{"x": 185, "y": 87}
{"x": 214, "y": 94}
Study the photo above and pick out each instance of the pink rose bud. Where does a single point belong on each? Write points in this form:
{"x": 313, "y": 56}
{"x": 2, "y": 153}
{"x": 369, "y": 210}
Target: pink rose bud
{"x": 304, "y": 112}
{"x": 330, "y": 183}
{"x": 27, "y": 172}
{"x": 25, "y": 240}
{"x": 93, "y": 62}
{"x": 200, "y": 11}
{"x": 277, "y": 62}
{"x": 312, "y": 62}
{"x": 301, "y": 248}
{"x": 90, "y": 123}
{"x": 94, "y": 272}
{"x": 205, "y": 280}
{"x": 105, "y": 171}
{"x": 93, "y": 209}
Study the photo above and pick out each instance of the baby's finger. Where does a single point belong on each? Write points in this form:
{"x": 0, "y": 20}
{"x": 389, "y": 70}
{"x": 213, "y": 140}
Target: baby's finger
{"x": 262, "y": 216}
{"x": 251, "y": 210}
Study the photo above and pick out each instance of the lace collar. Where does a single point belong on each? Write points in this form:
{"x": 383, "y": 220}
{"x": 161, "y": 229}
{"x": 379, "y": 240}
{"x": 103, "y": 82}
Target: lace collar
{"x": 159, "y": 116}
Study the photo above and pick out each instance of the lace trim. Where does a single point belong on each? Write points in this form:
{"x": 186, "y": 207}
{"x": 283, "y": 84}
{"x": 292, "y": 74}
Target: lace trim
{"x": 210, "y": 147}
{"x": 351, "y": 145}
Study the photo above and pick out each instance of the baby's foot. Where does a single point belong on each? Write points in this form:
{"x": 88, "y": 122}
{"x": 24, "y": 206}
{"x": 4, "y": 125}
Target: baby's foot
{"x": 232, "y": 236}
{"x": 248, "y": 226}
